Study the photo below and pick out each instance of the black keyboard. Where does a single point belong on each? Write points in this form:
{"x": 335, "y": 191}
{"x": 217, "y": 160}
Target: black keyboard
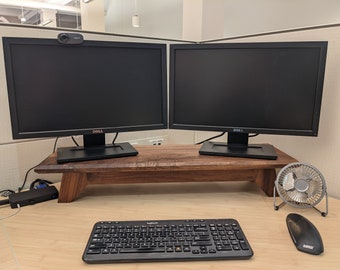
{"x": 166, "y": 240}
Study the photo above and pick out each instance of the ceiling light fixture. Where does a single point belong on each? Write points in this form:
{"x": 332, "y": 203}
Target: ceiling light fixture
{"x": 135, "y": 18}
{"x": 135, "y": 21}
{"x": 22, "y": 18}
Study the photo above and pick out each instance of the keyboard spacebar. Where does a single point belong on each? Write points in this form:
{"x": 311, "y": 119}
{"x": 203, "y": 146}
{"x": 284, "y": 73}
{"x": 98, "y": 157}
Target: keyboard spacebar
{"x": 141, "y": 250}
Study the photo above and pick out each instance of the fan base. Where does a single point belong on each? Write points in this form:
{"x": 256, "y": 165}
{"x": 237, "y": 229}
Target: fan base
{"x": 324, "y": 214}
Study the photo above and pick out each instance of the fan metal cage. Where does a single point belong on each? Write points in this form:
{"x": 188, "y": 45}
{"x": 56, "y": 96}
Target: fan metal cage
{"x": 300, "y": 185}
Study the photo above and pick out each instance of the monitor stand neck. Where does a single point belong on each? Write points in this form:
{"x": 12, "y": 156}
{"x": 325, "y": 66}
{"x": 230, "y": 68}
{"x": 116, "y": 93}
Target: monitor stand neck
{"x": 238, "y": 140}
{"x": 238, "y": 146}
{"x": 91, "y": 140}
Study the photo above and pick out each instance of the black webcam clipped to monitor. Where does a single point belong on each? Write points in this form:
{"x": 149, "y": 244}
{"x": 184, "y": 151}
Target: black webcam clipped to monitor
{"x": 70, "y": 38}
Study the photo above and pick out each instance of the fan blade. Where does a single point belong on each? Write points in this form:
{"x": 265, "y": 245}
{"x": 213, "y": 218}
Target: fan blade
{"x": 294, "y": 175}
{"x": 299, "y": 173}
{"x": 314, "y": 191}
{"x": 296, "y": 196}
{"x": 288, "y": 182}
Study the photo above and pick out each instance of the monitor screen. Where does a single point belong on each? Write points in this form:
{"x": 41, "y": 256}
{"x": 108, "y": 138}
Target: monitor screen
{"x": 242, "y": 88}
{"x": 95, "y": 87}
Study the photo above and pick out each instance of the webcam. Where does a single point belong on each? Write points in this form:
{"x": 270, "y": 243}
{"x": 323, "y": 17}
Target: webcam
{"x": 70, "y": 38}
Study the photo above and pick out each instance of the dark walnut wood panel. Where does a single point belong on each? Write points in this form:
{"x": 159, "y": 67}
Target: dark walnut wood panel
{"x": 159, "y": 164}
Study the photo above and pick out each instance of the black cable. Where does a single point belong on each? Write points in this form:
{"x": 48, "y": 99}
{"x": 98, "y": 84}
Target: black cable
{"x": 54, "y": 149}
{"x": 114, "y": 139}
{"x": 55, "y": 144}
{"x": 56, "y": 140}
{"x": 26, "y": 175}
{"x": 25, "y": 180}
{"x": 253, "y": 135}
{"x": 74, "y": 140}
{"x": 214, "y": 137}
{"x": 4, "y": 202}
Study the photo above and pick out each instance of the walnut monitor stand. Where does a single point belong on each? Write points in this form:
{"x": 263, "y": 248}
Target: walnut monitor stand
{"x": 159, "y": 164}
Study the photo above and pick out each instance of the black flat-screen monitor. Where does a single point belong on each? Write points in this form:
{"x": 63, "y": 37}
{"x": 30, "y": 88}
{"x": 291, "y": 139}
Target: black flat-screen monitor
{"x": 242, "y": 88}
{"x": 89, "y": 89}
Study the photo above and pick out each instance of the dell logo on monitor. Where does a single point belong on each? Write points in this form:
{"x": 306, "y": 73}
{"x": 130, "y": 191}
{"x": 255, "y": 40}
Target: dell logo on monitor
{"x": 238, "y": 130}
{"x": 97, "y": 131}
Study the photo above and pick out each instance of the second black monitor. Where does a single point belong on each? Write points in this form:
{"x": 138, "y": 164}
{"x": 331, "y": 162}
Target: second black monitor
{"x": 242, "y": 88}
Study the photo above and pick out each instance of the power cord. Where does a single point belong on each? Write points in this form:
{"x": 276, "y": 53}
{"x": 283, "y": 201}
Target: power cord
{"x": 38, "y": 183}
{"x": 25, "y": 179}
{"x": 74, "y": 140}
{"x": 11, "y": 215}
{"x": 45, "y": 181}
{"x": 214, "y": 137}
{"x": 6, "y": 236}
{"x": 114, "y": 139}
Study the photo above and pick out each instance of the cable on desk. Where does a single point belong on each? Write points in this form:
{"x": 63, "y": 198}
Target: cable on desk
{"x": 11, "y": 215}
{"x": 9, "y": 242}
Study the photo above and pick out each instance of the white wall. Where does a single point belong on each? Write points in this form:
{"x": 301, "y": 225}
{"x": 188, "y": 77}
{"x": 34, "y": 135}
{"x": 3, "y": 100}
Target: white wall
{"x": 161, "y": 19}
{"x": 211, "y": 19}
{"x": 243, "y": 17}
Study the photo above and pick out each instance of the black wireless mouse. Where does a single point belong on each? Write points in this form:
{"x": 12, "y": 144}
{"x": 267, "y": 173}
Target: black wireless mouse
{"x": 304, "y": 234}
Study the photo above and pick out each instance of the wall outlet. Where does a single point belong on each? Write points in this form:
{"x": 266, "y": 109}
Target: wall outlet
{"x": 158, "y": 140}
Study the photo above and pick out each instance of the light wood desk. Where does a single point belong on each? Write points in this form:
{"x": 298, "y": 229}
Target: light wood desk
{"x": 161, "y": 164}
{"x": 53, "y": 236}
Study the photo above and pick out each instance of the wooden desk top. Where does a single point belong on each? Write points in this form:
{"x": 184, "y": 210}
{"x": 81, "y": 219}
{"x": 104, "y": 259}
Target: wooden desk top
{"x": 53, "y": 236}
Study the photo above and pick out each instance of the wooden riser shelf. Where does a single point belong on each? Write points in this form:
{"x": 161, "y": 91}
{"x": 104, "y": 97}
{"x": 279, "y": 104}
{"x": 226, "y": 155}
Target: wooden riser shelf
{"x": 160, "y": 164}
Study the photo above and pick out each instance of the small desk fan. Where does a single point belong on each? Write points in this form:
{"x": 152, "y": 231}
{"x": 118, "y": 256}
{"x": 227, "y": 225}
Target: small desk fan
{"x": 300, "y": 185}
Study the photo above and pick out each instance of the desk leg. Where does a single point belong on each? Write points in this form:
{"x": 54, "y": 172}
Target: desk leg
{"x": 265, "y": 179}
{"x": 71, "y": 185}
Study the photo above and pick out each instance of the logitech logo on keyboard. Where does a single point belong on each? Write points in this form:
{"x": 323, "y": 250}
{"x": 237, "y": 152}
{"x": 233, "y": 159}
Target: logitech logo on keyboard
{"x": 151, "y": 222}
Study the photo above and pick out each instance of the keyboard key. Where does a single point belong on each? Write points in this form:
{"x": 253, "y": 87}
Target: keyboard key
{"x": 141, "y": 250}
{"x": 201, "y": 243}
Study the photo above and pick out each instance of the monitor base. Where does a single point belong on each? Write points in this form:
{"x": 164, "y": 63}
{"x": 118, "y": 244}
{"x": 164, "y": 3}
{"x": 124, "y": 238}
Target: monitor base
{"x": 74, "y": 154}
{"x": 262, "y": 151}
